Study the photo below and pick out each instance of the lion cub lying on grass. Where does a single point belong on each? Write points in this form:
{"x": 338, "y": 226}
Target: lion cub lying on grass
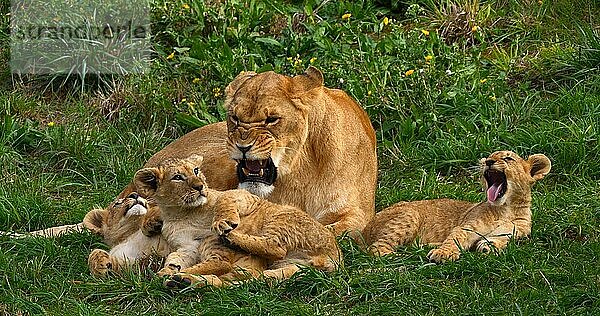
{"x": 268, "y": 235}
{"x": 456, "y": 225}
{"x": 121, "y": 226}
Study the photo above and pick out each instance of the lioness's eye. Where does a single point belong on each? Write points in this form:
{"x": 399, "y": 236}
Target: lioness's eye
{"x": 508, "y": 159}
{"x": 196, "y": 171}
{"x": 177, "y": 177}
{"x": 272, "y": 120}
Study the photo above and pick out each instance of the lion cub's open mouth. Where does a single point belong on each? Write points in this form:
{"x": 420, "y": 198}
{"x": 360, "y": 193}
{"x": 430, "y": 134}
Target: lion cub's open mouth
{"x": 497, "y": 185}
{"x": 263, "y": 171}
{"x": 138, "y": 207}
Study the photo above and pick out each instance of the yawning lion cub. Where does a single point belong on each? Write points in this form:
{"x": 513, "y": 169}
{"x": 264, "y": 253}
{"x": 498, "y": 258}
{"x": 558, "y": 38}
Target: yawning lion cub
{"x": 456, "y": 225}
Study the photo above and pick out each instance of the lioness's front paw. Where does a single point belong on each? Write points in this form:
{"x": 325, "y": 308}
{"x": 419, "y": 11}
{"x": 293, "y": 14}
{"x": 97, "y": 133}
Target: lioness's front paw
{"x": 440, "y": 255}
{"x": 99, "y": 263}
{"x": 224, "y": 226}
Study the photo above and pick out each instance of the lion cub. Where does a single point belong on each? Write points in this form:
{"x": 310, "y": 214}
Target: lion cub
{"x": 121, "y": 226}
{"x": 456, "y": 225}
{"x": 283, "y": 236}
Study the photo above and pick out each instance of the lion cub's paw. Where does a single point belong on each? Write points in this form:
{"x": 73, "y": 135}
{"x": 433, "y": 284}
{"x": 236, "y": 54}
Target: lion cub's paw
{"x": 185, "y": 280}
{"x": 99, "y": 263}
{"x": 487, "y": 247}
{"x": 152, "y": 226}
{"x": 168, "y": 270}
{"x": 224, "y": 226}
{"x": 440, "y": 255}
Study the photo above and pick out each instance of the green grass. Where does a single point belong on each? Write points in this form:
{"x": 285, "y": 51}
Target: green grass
{"x": 528, "y": 80}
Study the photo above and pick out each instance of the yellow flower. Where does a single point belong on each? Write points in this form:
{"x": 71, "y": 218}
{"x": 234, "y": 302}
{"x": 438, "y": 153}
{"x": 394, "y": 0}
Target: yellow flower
{"x": 386, "y": 21}
{"x": 196, "y": 80}
{"x": 183, "y": 100}
{"x": 428, "y": 58}
{"x": 50, "y": 124}
{"x": 346, "y": 16}
{"x": 409, "y": 72}
{"x": 475, "y": 29}
{"x": 426, "y": 32}
{"x": 289, "y": 59}
{"x": 493, "y": 98}
{"x": 185, "y": 6}
{"x": 369, "y": 93}
{"x": 312, "y": 60}
{"x": 482, "y": 80}
{"x": 217, "y": 92}
{"x": 171, "y": 55}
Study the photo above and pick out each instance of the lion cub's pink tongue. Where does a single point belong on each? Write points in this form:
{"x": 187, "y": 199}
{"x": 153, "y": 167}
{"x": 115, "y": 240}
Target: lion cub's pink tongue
{"x": 493, "y": 191}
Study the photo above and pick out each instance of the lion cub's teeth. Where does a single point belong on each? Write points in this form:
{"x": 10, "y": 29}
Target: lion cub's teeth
{"x": 262, "y": 172}
{"x": 246, "y": 171}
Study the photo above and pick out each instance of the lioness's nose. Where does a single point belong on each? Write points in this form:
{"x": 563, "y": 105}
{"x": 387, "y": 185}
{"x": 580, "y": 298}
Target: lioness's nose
{"x": 243, "y": 149}
{"x": 490, "y": 162}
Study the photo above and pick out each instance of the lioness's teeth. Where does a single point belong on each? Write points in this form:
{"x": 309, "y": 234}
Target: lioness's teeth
{"x": 262, "y": 172}
{"x": 246, "y": 171}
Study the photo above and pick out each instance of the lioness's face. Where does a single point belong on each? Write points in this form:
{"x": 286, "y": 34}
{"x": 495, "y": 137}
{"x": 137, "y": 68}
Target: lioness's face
{"x": 266, "y": 129}
{"x": 507, "y": 177}
{"x": 177, "y": 183}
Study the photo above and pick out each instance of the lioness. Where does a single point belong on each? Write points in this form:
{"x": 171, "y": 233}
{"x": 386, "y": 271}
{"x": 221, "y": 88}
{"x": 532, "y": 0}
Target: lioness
{"x": 301, "y": 144}
{"x": 120, "y": 225}
{"x": 283, "y": 235}
{"x": 456, "y": 225}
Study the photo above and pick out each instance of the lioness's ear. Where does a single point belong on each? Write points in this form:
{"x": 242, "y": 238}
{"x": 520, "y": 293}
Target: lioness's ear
{"x": 310, "y": 79}
{"x": 540, "y": 166}
{"x": 237, "y": 82}
{"x": 93, "y": 220}
{"x": 146, "y": 181}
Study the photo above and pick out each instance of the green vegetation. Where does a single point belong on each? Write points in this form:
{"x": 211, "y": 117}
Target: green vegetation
{"x": 444, "y": 82}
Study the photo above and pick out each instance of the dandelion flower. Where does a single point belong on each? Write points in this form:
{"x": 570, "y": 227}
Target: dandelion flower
{"x": 50, "y": 124}
{"x": 369, "y": 93}
{"x": 475, "y": 28}
{"x": 426, "y": 32}
{"x": 482, "y": 80}
{"x": 386, "y": 21}
{"x": 171, "y": 55}
{"x": 428, "y": 58}
{"x": 185, "y": 6}
{"x": 346, "y": 16}
{"x": 312, "y": 60}
{"x": 409, "y": 72}
{"x": 183, "y": 100}
{"x": 196, "y": 80}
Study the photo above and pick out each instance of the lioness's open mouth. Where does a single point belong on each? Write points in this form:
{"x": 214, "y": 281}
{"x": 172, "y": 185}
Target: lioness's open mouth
{"x": 497, "y": 185}
{"x": 263, "y": 171}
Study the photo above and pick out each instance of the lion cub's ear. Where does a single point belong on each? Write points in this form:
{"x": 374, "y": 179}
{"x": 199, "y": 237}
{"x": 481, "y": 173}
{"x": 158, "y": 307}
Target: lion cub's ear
{"x": 540, "y": 166}
{"x": 310, "y": 79}
{"x": 94, "y": 220}
{"x": 146, "y": 181}
{"x": 237, "y": 82}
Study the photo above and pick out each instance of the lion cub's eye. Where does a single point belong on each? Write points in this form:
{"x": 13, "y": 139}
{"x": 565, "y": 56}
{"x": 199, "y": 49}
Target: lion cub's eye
{"x": 272, "y": 120}
{"x": 234, "y": 119}
{"x": 507, "y": 159}
{"x": 196, "y": 171}
{"x": 178, "y": 177}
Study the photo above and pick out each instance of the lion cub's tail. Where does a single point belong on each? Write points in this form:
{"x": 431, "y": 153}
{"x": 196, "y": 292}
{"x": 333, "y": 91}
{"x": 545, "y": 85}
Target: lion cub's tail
{"x": 48, "y": 232}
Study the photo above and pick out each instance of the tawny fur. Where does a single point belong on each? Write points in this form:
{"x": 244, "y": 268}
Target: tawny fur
{"x": 320, "y": 139}
{"x": 120, "y": 225}
{"x": 282, "y": 237}
{"x": 458, "y": 225}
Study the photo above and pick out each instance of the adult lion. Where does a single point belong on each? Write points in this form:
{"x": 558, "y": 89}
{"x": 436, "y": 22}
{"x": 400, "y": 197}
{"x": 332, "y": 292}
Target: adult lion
{"x": 299, "y": 143}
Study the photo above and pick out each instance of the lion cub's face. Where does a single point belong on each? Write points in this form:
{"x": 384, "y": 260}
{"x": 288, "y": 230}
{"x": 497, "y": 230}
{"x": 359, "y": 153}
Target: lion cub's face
{"x": 174, "y": 183}
{"x": 267, "y": 124}
{"x": 119, "y": 220}
{"x": 507, "y": 177}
